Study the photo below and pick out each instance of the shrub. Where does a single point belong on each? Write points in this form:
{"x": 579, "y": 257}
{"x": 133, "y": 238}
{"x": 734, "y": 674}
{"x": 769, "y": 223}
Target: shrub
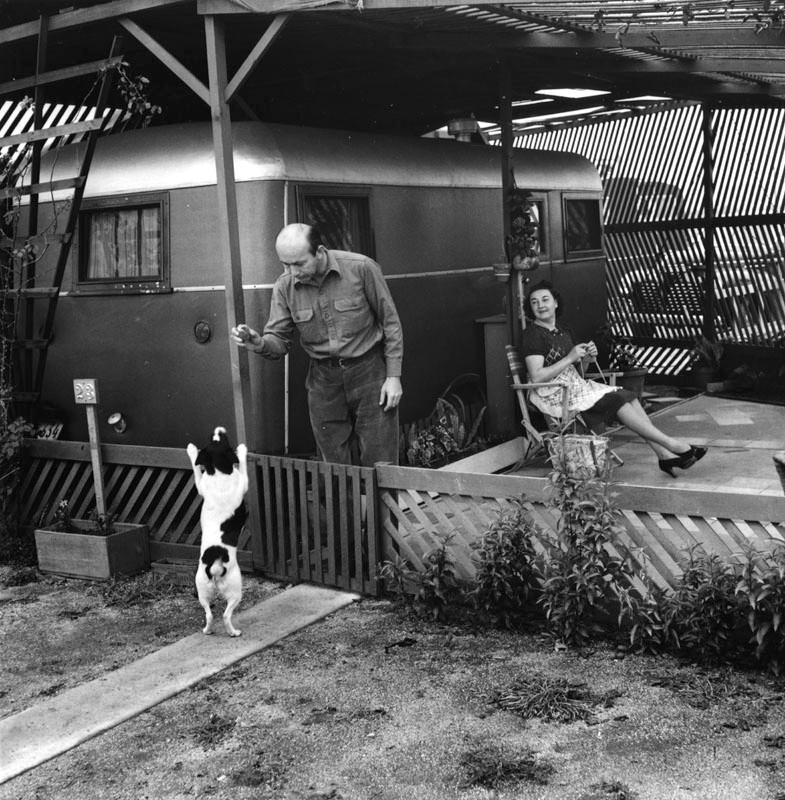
{"x": 507, "y": 572}
{"x": 14, "y": 546}
{"x": 430, "y": 591}
{"x": 643, "y": 617}
{"x": 762, "y": 588}
{"x": 704, "y": 612}
{"x": 583, "y": 578}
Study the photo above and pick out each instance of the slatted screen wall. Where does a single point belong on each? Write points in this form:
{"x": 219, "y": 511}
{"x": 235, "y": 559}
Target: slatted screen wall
{"x": 657, "y": 219}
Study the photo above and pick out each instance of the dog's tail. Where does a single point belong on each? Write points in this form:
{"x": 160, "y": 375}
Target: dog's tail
{"x": 215, "y": 559}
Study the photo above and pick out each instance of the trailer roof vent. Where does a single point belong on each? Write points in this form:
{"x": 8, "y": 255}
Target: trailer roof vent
{"x": 462, "y": 128}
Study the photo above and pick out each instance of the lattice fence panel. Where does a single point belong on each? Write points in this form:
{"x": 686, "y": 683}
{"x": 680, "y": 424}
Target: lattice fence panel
{"x": 160, "y": 493}
{"x": 457, "y": 510}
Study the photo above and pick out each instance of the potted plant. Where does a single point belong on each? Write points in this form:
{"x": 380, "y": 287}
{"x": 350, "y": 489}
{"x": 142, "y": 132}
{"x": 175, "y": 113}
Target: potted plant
{"x": 705, "y": 360}
{"x": 97, "y": 548}
{"x": 623, "y": 358}
{"x": 523, "y": 242}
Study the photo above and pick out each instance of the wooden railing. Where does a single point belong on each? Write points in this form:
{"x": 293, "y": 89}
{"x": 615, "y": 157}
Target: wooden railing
{"x": 421, "y": 508}
{"x": 334, "y": 524}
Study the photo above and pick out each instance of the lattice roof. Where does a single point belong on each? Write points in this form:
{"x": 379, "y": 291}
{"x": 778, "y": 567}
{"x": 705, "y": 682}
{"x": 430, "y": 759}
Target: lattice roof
{"x": 409, "y": 66}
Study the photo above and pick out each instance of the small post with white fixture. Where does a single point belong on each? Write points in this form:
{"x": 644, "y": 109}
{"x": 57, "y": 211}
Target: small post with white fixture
{"x": 86, "y": 394}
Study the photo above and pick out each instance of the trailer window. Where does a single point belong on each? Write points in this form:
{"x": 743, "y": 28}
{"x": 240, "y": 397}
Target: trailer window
{"x": 343, "y": 218}
{"x": 123, "y": 246}
{"x": 582, "y": 227}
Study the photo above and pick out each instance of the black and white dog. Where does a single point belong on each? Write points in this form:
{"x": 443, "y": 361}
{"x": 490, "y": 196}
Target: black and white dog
{"x": 221, "y": 477}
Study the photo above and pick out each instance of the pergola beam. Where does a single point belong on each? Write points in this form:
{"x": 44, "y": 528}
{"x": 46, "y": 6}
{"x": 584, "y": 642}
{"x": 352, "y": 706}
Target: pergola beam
{"x": 167, "y": 59}
{"x": 57, "y": 75}
{"x": 84, "y": 16}
{"x": 256, "y": 55}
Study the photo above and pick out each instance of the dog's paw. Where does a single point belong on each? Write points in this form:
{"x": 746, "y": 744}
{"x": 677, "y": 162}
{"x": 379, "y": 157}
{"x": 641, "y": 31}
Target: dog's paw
{"x": 242, "y": 452}
{"x": 193, "y": 452}
{"x": 207, "y": 630}
{"x": 234, "y": 632}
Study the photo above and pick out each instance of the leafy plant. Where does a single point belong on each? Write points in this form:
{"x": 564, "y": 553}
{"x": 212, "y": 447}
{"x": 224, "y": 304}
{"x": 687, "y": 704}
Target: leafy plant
{"x": 706, "y": 353}
{"x": 644, "y": 619}
{"x": 523, "y": 242}
{"x": 551, "y": 699}
{"x": 507, "y": 573}
{"x": 98, "y": 524}
{"x": 762, "y": 587}
{"x": 429, "y": 591}
{"x": 445, "y": 438}
{"x": 399, "y": 579}
{"x": 705, "y": 613}
{"x": 583, "y": 581}
{"x": 12, "y": 435}
{"x": 432, "y": 446}
{"x": 490, "y": 767}
{"x": 133, "y": 89}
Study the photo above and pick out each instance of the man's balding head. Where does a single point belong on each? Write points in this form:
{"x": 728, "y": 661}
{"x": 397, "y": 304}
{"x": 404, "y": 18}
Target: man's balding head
{"x": 301, "y": 250}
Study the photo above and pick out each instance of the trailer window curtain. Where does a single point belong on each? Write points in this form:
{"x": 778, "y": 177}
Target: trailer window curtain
{"x": 123, "y": 247}
{"x": 344, "y": 220}
{"x": 124, "y": 244}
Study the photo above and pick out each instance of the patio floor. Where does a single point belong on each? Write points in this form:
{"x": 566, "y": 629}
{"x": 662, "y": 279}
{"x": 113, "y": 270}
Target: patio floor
{"x": 742, "y": 438}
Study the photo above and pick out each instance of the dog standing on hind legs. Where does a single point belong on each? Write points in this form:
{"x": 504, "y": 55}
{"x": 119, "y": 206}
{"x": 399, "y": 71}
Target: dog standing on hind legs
{"x": 221, "y": 477}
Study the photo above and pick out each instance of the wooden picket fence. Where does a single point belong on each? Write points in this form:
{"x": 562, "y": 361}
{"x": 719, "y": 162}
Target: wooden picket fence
{"x": 333, "y": 524}
{"x": 319, "y": 522}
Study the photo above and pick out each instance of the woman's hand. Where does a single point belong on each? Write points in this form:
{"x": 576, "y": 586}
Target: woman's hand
{"x": 579, "y": 352}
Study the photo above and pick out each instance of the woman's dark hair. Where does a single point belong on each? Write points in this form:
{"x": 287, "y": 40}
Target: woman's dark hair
{"x": 315, "y": 239}
{"x": 538, "y": 287}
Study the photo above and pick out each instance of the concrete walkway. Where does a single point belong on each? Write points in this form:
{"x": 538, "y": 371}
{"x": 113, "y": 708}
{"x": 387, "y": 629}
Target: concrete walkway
{"x": 48, "y": 729}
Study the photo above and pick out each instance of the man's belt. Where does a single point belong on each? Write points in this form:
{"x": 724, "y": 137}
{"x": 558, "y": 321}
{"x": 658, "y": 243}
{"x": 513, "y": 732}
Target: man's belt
{"x": 332, "y": 361}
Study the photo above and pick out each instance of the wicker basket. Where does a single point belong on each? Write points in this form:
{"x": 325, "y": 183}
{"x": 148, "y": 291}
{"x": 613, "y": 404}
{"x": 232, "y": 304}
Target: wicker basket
{"x": 579, "y": 455}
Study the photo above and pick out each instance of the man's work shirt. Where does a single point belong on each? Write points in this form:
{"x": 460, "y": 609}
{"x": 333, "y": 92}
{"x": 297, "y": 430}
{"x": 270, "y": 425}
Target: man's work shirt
{"x": 342, "y": 314}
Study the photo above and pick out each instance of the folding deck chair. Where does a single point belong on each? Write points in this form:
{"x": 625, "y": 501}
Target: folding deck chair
{"x": 565, "y": 423}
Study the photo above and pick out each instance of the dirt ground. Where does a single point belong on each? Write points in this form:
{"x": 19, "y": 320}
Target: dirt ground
{"x": 369, "y": 704}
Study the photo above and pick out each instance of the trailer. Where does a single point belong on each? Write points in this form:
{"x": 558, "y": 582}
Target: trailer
{"x": 142, "y": 307}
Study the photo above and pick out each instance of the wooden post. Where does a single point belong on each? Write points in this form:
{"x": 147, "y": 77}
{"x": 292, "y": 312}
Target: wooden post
{"x": 228, "y": 224}
{"x": 86, "y": 394}
{"x": 708, "y": 209}
{"x": 505, "y": 121}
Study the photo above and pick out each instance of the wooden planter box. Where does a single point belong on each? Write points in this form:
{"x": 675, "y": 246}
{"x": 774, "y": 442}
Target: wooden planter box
{"x": 91, "y": 555}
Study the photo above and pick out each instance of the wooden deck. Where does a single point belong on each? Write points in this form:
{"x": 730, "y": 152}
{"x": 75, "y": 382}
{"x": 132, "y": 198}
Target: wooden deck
{"x": 742, "y": 438}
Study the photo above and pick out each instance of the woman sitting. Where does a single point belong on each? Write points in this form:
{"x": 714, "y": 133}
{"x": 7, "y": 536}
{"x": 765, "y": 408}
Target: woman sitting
{"x": 550, "y": 355}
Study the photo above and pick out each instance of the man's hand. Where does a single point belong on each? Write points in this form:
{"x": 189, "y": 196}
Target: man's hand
{"x": 245, "y": 336}
{"x": 391, "y": 393}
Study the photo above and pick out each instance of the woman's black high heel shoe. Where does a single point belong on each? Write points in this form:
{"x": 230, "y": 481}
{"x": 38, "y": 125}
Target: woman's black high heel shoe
{"x": 667, "y": 465}
{"x": 693, "y": 455}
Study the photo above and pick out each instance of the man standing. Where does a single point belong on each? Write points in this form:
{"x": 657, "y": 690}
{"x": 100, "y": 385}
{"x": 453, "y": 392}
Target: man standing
{"x": 348, "y": 324}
